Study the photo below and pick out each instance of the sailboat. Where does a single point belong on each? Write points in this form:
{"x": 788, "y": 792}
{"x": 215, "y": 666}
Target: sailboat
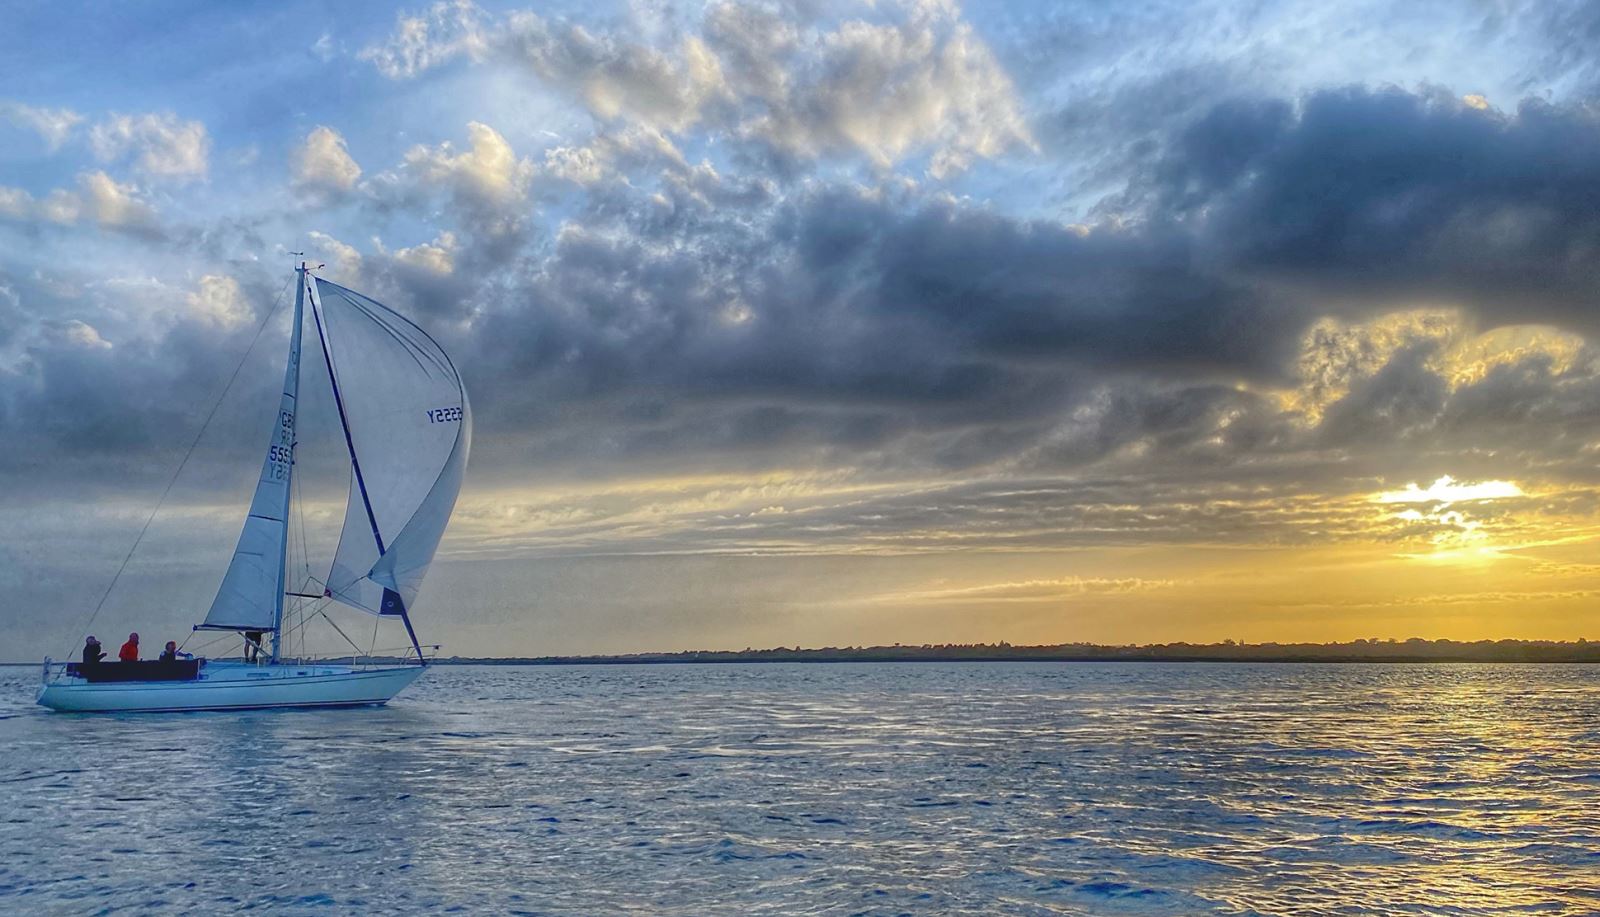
{"x": 408, "y": 427}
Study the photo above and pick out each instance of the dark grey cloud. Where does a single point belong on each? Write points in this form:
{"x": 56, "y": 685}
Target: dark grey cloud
{"x": 1260, "y": 217}
{"x": 1378, "y": 197}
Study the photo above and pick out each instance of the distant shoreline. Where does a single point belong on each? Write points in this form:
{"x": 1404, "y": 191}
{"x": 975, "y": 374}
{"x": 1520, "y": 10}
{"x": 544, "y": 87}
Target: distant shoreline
{"x": 1398, "y": 651}
{"x": 1415, "y": 650}
{"x": 1285, "y": 660}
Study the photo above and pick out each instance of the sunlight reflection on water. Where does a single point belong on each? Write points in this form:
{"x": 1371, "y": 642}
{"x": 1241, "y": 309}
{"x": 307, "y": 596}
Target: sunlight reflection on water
{"x": 1024, "y": 788}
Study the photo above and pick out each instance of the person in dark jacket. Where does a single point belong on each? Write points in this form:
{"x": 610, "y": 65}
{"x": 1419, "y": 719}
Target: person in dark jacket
{"x": 130, "y": 650}
{"x": 252, "y": 645}
{"x": 92, "y": 653}
{"x": 171, "y": 654}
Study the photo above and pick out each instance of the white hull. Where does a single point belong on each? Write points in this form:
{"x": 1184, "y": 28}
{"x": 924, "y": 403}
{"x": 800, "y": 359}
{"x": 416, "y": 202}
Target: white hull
{"x": 233, "y": 686}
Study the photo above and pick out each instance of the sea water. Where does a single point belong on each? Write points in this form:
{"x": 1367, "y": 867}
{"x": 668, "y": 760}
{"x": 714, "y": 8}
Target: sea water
{"x": 977, "y": 788}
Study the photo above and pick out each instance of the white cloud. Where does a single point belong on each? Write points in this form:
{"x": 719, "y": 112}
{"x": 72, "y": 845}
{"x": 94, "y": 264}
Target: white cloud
{"x": 437, "y": 257}
{"x": 618, "y": 79}
{"x": 60, "y": 206}
{"x": 110, "y": 203}
{"x": 914, "y": 80}
{"x": 98, "y": 199}
{"x": 55, "y": 125}
{"x": 448, "y": 30}
{"x": 613, "y": 151}
{"x": 343, "y": 260}
{"x": 889, "y": 90}
{"x": 615, "y": 78}
{"x": 575, "y": 164}
{"x": 15, "y": 202}
{"x": 487, "y": 177}
{"x": 324, "y": 47}
{"x": 160, "y": 144}
{"x": 322, "y": 161}
{"x": 219, "y": 301}
{"x": 83, "y": 334}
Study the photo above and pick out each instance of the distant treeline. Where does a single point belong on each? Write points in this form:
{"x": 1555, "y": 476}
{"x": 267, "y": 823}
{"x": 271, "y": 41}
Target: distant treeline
{"x": 1413, "y": 650}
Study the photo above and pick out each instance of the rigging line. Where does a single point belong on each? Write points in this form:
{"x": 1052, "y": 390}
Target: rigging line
{"x": 221, "y": 396}
{"x": 326, "y": 617}
{"x": 212, "y": 642}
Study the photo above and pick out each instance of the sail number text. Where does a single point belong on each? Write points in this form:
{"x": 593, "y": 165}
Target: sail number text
{"x": 444, "y": 415}
{"x": 280, "y": 457}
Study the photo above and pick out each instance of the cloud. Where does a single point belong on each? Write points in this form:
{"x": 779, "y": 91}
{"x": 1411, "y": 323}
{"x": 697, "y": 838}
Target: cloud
{"x": 15, "y": 202}
{"x": 615, "y": 78}
{"x": 1043, "y": 590}
{"x": 926, "y": 82}
{"x": 449, "y": 29}
{"x": 436, "y": 257}
{"x": 98, "y": 199}
{"x": 689, "y": 314}
{"x": 615, "y": 154}
{"x": 487, "y": 182}
{"x": 219, "y": 301}
{"x": 578, "y": 165}
{"x": 324, "y": 48}
{"x": 422, "y": 280}
{"x": 81, "y": 334}
{"x": 488, "y": 173}
{"x": 160, "y": 145}
{"x": 54, "y": 125}
{"x": 917, "y": 82}
{"x": 323, "y": 162}
{"x": 110, "y": 203}
{"x": 344, "y": 261}
{"x": 1371, "y": 196}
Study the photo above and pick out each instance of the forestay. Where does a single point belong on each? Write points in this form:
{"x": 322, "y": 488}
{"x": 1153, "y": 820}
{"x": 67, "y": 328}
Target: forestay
{"x": 251, "y": 594}
{"x": 408, "y": 426}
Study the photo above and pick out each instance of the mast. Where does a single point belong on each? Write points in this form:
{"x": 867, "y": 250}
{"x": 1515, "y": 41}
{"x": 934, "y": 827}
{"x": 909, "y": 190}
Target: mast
{"x": 291, "y": 390}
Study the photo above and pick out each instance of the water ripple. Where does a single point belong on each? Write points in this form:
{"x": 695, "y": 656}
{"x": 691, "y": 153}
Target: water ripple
{"x": 856, "y": 789}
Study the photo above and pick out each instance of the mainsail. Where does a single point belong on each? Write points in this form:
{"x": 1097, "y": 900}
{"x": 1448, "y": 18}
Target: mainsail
{"x": 408, "y": 427}
{"x": 251, "y": 595}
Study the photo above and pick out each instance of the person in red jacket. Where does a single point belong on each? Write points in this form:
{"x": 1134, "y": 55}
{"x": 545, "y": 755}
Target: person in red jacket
{"x": 130, "y": 650}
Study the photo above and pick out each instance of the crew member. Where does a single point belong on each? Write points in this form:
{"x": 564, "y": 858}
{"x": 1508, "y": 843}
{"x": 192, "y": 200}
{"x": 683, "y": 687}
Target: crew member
{"x": 171, "y": 654}
{"x": 130, "y": 650}
{"x": 92, "y": 652}
{"x": 252, "y": 645}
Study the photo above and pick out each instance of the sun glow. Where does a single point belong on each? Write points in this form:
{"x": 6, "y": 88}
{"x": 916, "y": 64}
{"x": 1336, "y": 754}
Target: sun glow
{"x": 1431, "y": 513}
{"x": 1448, "y": 490}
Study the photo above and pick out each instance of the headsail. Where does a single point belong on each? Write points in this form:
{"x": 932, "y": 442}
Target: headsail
{"x": 408, "y": 426}
{"x": 251, "y": 595}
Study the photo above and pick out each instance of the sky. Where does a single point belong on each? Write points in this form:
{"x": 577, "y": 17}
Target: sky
{"x": 820, "y": 322}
